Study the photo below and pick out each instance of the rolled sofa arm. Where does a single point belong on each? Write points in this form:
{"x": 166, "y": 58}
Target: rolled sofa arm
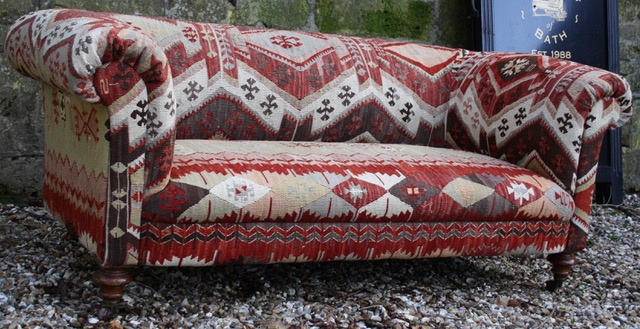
{"x": 104, "y": 59}
{"x": 542, "y": 113}
{"x": 81, "y": 52}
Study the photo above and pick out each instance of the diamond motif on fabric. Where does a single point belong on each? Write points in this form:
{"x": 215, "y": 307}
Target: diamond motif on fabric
{"x": 387, "y": 206}
{"x": 466, "y": 192}
{"x": 516, "y": 67}
{"x": 118, "y": 204}
{"x": 119, "y": 193}
{"x": 326, "y": 179}
{"x": 118, "y": 167}
{"x": 381, "y": 179}
{"x": 563, "y": 200}
{"x": 413, "y": 192}
{"x": 433, "y": 61}
{"x": 116, "y": 232}
{"x": 172, "y": 198}
{"x": 295, "y": 48}
{"x": 358, "y": 193}
{"x": 201, "y": 211}
{"x": 300, "y": 192}
{"x": 239, "y": 191}
{"x": 518, "y": 192}
{"x": 330, "y": 207}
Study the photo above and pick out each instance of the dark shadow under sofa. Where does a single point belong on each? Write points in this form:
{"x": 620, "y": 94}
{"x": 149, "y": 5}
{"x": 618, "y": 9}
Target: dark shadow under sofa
{"x": 174, "y": 143}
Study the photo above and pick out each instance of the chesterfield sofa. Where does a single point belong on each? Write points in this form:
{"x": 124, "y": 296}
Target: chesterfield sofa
{"x": 175, "y": 143}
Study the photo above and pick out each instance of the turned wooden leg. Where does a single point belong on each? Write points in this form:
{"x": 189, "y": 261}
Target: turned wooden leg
{"x": 111, "y": 282}
{"x": 561, "y": 268}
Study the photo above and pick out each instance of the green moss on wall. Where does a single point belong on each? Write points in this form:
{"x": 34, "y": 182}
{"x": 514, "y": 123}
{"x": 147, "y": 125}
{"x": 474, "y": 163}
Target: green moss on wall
{"x": 629, "y": 10}
{"x": 10, "y": 10}
{"x": 324, "y": 9}
{"x": 419, "y": 19}
{"x": 409, "y": 19}
{"x": 452, "y": 23}
{"x": 282, "y": 14}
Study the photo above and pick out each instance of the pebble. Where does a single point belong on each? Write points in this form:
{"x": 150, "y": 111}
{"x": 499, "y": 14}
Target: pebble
{"x": 45, "y": 281}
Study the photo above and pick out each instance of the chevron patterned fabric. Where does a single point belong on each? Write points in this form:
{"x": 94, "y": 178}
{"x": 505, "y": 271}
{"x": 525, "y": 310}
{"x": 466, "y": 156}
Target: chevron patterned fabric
{"x": 230, "y": 243}
{"x": 222, "y": 144}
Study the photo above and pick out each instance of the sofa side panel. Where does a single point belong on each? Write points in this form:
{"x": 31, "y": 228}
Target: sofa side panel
{"x": 95, "y": 168}
{"x": 77, "y": 166}
{"x": 585, "y": 184}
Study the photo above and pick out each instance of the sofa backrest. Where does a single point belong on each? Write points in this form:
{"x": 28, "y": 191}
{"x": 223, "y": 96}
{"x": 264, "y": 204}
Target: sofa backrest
{"x": 161, "y": 79}
{"x": 245, "y": 83}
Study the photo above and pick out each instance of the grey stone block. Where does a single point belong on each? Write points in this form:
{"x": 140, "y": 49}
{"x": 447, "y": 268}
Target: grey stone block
{"x": 21, "y": 132}
{"x": 10, "y": 10}
{"x": 630, "y": 170}
{"x": 210, "y": 11}
{"x": 281, "y": 14}
{"x": 131, "y": 7}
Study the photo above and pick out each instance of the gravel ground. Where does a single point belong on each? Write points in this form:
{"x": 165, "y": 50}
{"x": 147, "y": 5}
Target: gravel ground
{"x": 45, "y": 281}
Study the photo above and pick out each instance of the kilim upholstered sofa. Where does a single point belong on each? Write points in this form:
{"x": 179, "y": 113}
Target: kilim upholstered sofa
{"x": 173, "y": 143}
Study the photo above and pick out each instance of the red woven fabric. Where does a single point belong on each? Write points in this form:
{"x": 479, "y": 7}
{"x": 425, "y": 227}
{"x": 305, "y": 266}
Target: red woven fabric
{"x": 307, "y": 182}
{"x": 159, "y": 79}
{"x": 210, "y": 244}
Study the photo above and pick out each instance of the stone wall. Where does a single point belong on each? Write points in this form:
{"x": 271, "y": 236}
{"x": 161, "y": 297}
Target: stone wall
{"x": 629, "y": 16}
{"x": 440, "y": 22}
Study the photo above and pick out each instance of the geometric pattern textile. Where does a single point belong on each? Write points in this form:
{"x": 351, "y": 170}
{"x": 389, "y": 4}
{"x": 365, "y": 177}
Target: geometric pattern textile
{"x": 161, "y": 103}
{"x": 75, "y": 184}
{"x": 205, "y": 244}
{"x": 311, "y": 182}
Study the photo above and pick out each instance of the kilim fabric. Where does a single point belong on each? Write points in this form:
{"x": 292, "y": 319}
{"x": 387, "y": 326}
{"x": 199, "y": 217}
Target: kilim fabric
{"x": 76, "y": 171}
{"x": 139, "y": 83}
{"x": 311, "y": 182}
{"x": 230, "y": 243}
{"x": 541, "y": 113}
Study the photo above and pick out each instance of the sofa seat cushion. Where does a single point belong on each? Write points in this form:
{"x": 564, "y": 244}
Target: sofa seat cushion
{"x": 266, "y": 181}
